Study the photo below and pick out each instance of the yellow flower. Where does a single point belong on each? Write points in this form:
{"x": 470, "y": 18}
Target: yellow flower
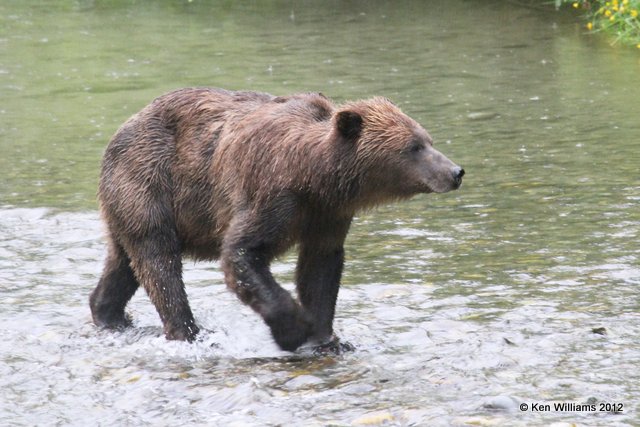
{"x": 638, "y": 45}
{"x": 607, "y": 13}
{"x": 590, "y": 26}
{"x": 634, "y": 13}
{"x": 625, "y": 2}
{"x": 576, "y": 5}
{"x": 612, "y": 18}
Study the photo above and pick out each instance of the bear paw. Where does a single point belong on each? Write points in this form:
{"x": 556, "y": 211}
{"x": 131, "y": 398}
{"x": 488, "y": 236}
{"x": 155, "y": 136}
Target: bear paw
{"x": 335, "y": 346}
{"x": 112, "y": 320}
{"x": 186, "y": 332}
{"x": 290, "y": 329}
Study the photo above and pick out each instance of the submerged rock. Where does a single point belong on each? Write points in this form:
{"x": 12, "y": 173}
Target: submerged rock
{"x": 501, "y": 403}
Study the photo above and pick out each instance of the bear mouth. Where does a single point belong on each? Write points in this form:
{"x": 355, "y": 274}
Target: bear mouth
{"x": 424, "y": 188}
{"x": 430, "y": 188}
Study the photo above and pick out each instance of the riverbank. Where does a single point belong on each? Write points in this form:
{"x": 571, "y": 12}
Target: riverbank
{"x": 618, "y": 19}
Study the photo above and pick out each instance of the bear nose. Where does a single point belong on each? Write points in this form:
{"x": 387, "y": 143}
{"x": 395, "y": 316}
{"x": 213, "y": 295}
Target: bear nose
{"x": 458, "y": 173}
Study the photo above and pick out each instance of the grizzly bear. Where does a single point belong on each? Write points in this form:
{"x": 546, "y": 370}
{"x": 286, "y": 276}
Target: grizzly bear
{"x": 242, "y": 177}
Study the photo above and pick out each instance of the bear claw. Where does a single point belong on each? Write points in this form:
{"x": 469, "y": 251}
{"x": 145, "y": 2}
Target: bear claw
{"x": 335, "y": 346}
{"x": 113, "y": 322}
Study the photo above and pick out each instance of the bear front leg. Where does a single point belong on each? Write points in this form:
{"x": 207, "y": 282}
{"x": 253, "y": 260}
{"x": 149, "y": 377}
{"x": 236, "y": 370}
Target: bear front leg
{"x": 250, "y": 244}
{"x": 247, "y": 274}
{"x": 318, "y": 274}
{"x": 318, "y": 280}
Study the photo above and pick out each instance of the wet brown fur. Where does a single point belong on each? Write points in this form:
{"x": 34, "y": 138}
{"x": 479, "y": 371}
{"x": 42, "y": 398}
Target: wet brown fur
{"x": 243, "y": 176}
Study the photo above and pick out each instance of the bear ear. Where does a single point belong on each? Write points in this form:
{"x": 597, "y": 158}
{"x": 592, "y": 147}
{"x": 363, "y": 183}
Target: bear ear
{"x": 349, "y": 124}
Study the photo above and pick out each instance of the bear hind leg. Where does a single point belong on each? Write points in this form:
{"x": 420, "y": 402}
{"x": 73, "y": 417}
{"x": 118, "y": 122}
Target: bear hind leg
{"x": 157, "y": 265}
{"x": 115, "y": 288}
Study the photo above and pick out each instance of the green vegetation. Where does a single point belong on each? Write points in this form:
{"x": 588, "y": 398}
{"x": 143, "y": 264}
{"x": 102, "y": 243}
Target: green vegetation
{"x": 618, "y": 18}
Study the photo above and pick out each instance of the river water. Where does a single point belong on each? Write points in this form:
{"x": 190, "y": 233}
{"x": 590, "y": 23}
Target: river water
{"x": 519, "y": 289}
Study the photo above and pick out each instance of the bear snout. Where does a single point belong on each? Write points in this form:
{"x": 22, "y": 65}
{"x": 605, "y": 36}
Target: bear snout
{"x": 458, "y": 173}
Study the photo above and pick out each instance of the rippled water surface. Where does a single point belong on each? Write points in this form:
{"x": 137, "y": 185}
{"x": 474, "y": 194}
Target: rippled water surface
{"x": 521, "y": 288}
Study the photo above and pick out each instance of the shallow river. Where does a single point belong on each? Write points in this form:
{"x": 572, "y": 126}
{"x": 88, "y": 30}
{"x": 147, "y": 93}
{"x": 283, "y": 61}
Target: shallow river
{"x": 519, "y": 289}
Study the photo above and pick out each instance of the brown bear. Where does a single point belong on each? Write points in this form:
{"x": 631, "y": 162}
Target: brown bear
{"x": 242, "y": 177}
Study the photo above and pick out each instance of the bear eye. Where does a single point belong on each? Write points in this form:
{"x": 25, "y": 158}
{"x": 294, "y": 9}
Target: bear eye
{"x": 416, "y": 147}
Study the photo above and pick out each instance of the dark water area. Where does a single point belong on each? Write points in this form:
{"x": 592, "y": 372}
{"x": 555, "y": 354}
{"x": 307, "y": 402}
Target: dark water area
{"x": 520, "y": 288}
